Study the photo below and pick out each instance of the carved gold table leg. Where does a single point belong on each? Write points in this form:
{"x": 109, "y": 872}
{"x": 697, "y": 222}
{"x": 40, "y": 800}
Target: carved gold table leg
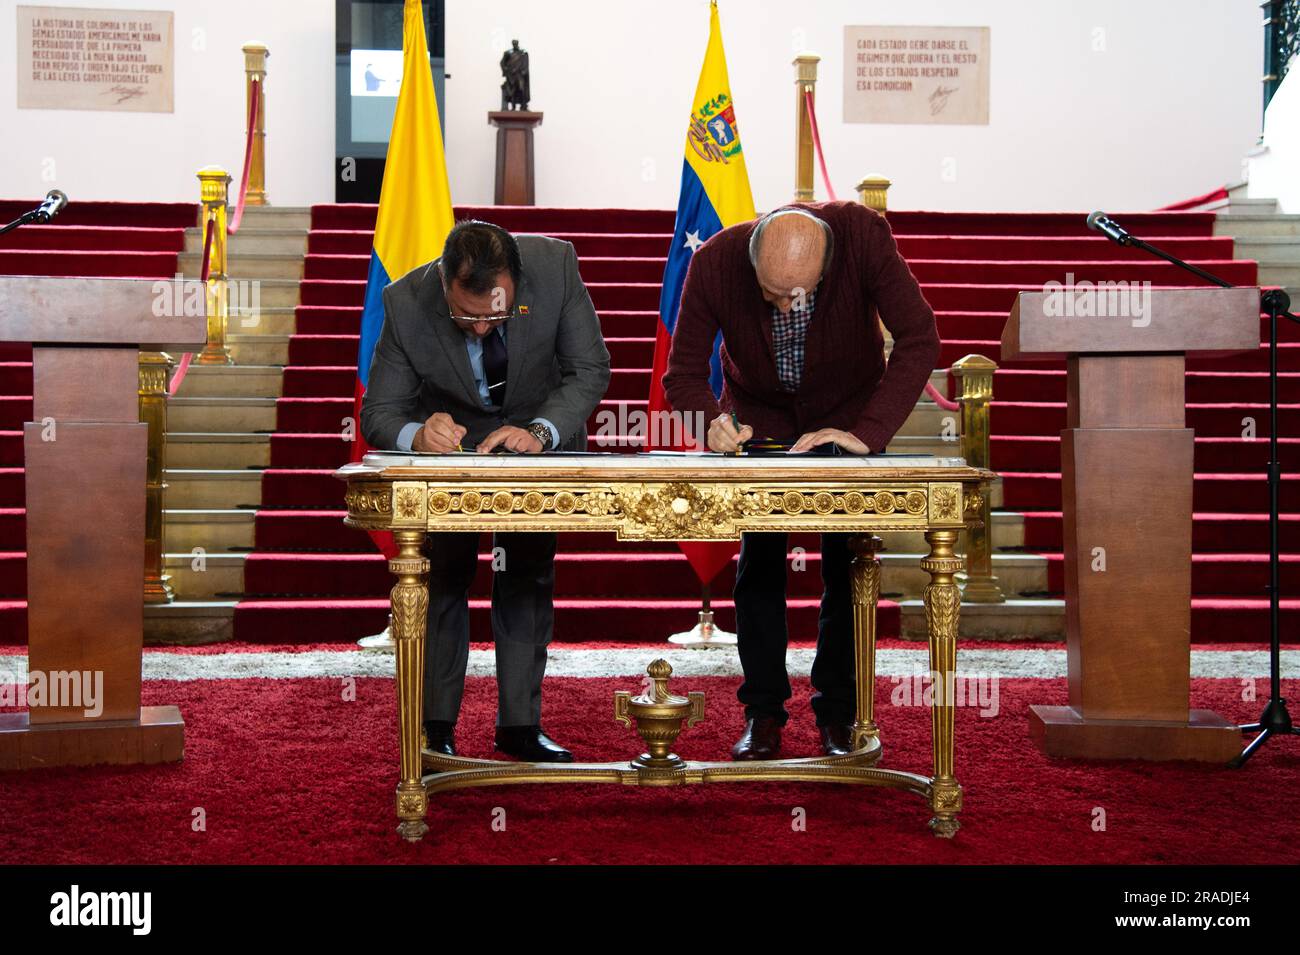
{"x": 942, "y": 610}
{"x": 866, "y": 594}
{"x": 410, "y": 610}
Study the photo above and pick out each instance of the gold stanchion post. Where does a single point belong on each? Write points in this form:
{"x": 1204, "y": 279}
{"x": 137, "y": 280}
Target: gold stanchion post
{"x": 805, "y": 81}
{"x": 873, "y": 191}
{"x": 975, "y": 372}
{"x": 255, "y": 55}
{"x": 214, "y": 183}
{"x": 155, "y": 371}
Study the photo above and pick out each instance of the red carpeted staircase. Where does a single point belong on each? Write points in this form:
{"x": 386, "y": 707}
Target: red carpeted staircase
{"x": 88, "y": 239}
{"x": 970, "y": 265}
{"x": 311, "y": 579}
{"x": 306, "y": 563}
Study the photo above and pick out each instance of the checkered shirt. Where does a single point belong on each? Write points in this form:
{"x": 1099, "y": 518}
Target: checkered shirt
{"x": 789, "y": 332}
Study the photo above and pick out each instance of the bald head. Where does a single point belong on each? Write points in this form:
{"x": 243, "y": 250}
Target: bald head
{"x": 789, "y": 249}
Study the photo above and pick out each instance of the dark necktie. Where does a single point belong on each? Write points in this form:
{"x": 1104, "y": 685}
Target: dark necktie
{"x": 494, "y": 366}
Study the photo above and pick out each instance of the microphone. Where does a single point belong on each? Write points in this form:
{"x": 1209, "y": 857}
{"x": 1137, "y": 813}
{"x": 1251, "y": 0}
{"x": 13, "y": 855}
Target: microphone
{"x": 1100, "y": 222}
{"x": 54, "y": 202}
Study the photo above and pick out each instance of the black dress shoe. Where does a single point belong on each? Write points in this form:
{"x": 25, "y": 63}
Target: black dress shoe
{"x": 761, "y": 739}
{"x": 530, "y": 744}
{"x": 837, "y": 739}
{"x": 440, "y": 736}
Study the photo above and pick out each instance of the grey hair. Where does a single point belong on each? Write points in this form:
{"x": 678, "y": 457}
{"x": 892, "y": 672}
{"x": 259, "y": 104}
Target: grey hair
{"x": 756, "y": 237}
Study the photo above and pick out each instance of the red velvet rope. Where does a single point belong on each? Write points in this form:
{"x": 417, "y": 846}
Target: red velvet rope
{"x": 207, "y": 250}
{"x": 817, "y": 143}
{"x": 232, "y": 226}
{"x": 254, "y": 98}
{"x": 945, "y": 403}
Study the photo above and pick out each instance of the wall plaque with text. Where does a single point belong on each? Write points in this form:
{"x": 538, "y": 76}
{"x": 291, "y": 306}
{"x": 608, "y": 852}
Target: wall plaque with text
{"x": 78, "y": 58}
{"x": 916, "y": 75}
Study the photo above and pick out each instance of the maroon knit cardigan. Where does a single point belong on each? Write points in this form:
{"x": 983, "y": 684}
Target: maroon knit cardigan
{"x": 846, "y": 383}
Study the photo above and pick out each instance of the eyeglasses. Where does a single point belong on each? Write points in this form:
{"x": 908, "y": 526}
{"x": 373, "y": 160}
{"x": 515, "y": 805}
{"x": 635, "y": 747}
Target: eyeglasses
{"x": 493, "y": 320}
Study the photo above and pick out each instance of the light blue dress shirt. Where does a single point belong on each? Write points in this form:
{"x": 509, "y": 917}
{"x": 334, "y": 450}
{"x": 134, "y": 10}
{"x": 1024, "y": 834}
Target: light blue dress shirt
{"x": 474, "y": 348}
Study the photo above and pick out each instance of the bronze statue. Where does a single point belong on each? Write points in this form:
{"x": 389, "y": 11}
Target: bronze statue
{"x": 514, "y": 67}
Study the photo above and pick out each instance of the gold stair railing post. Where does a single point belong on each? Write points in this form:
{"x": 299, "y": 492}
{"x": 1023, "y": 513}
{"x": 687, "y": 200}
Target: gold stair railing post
{"x": 214, "y": 183}
{"x": 975, "y": 372}
{"x": 873, "y": 191}
{"x": 805, "y": 81}
{"x": 155, "y": 372}
{"x": 255, "y": 55}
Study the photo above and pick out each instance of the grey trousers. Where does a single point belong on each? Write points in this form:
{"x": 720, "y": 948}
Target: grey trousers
{"x": 523, "y": 616}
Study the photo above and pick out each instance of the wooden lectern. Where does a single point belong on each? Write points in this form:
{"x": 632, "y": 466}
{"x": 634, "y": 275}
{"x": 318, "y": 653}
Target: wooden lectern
{"x": 1126, "y": 474}
{"x": 85, "y": 458}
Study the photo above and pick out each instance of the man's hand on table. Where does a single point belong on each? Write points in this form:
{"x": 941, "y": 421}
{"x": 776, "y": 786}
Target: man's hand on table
{"x": 814, "y": 439}
{"x": 725, "y": 437}
{"x": 515, "y": 439}
{"x": 438, "y": 435}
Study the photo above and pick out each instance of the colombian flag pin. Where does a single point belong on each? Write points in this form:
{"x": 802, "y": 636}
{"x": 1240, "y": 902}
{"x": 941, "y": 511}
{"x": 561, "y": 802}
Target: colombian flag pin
{"x": 523, "y": 309}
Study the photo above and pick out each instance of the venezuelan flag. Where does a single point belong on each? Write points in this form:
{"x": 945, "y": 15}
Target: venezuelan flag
{"x": 415, "y": 211}
{"x": 714, "y": 194}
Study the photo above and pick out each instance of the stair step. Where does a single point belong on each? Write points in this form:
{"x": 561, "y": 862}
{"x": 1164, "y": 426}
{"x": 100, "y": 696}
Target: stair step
{"x": 206, "y": 574}
{"x": 218, "y": 450}
{"x": 250, "y": 265}
{"x": 223, "y": 414}
{"x": 189, "y": 622}
{"x": 1020, "y": 618}
{"x": 1255, "y": 225}
{"x": 213, "y": 529}
{"x": 1245, "y": 204}
{"x": 1270, "y": 250}
{"x": 275, "y": 219}
{"x": 212, "y": 488}
{"x": 268, "y": 293}
{"x": 262, "y": 348}
{"x": 255, "y": 242}
{"x": 232, "y": 381}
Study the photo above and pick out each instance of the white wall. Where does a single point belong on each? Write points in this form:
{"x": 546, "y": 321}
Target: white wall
{"x": 1167, "y": 110}
{"x": 1275, "y": 172}
{"x": 153, "y": 156}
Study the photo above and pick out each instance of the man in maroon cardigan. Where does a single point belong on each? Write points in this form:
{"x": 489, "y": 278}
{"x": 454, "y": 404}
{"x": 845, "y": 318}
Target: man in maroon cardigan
{"x": 795, "y": 295}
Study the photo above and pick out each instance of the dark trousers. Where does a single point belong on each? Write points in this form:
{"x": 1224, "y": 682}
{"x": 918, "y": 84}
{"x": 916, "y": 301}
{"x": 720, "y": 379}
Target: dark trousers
{"x": 523, "y": 616}
{"x": 762, "y": 636}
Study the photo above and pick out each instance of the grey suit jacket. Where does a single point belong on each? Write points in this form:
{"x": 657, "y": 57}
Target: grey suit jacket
{"x": 558, "y": 366}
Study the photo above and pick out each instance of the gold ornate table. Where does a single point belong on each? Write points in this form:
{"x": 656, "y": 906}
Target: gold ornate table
{"x": 675, "y": 497}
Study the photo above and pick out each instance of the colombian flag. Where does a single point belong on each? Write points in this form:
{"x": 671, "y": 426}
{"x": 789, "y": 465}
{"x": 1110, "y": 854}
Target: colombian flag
{"x": 414, "y": 202}
{"x": 714, "y": 195}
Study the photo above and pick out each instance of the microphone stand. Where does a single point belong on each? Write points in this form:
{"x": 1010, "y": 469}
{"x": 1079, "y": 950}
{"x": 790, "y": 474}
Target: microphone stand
{"x": 36, "y": 215}
{"x": 1275, "y": 719}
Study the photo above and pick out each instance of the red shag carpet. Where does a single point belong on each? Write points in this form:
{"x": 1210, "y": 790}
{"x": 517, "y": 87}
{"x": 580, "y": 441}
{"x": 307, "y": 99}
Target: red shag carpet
{"x": 287, "y": 771}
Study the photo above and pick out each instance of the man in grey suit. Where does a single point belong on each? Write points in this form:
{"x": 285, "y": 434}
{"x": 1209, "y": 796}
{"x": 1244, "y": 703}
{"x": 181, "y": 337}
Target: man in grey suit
{"x": 493, "y": 346}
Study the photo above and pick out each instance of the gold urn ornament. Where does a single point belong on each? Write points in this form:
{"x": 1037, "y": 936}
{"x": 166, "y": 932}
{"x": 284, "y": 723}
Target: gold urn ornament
{"x": 658, "y": 716}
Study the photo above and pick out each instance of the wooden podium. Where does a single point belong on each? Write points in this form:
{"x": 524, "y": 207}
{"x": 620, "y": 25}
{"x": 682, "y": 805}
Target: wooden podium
{"x": 85, "y": 458}
{"x": 1126, "y": 474}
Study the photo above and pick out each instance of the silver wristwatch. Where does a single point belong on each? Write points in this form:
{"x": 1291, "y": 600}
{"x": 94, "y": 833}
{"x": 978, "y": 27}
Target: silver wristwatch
{"x": 541, "y": 433}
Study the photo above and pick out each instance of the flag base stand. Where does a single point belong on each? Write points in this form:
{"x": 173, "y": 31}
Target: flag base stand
{"x": 706, "y": 633}
{"x": 382, "y": 642}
